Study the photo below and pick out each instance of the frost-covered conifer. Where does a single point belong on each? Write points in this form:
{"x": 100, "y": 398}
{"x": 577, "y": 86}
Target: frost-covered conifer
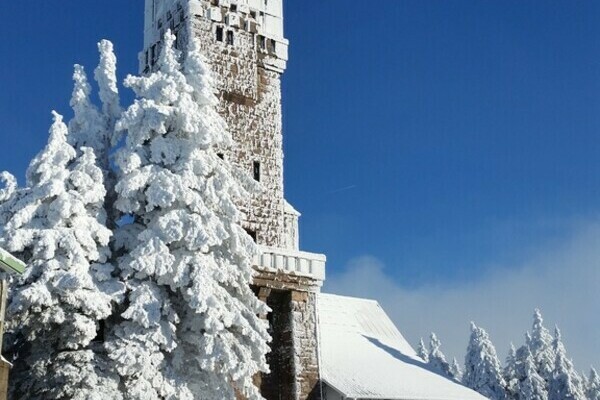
{"x": 532, "y": 386}
{"x": 91, "y": 127}
{"x": 510, "y": 374}
{"x": 10, "y": 186}
{"x": 482, "y": 367}
{"x": 456, "y": 370}
{"x": 57, "y": 226}
{"x": 106, "y": 76}
{"x": 422, "y": 351}
{"x": 540, "y": 345}
{"x": 565, "y": 383}
{"x": 437, "y": 360}
{"x": 593, "y": 386}
{"x": 191, "y": 328}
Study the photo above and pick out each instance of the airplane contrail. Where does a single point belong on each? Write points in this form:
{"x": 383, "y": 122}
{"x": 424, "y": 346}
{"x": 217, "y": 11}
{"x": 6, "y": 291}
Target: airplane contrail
{"x": 343, "y": 189}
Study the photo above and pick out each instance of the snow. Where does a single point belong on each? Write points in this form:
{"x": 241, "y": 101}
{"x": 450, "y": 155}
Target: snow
{"x": 56, "y": 224}
{"x": 364, "y": 356}
{"x": 482, "y": 367}
{"x": 190, "y": 328}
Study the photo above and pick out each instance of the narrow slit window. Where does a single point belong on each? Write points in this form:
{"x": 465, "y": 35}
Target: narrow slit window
{"x": 219, "y": 33}
{"x": 252, "y": 234}
{"x": 273, "y": 45}
{"x": 234, "y": 7}
{"x": 256, "y": 171}
{"x": 262, "y": 42}
{"x": 230, "y": 38}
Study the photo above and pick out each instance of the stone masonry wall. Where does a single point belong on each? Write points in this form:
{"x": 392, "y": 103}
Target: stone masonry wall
{"x": 250, "y": 101}
{"x": 304, "y": 319}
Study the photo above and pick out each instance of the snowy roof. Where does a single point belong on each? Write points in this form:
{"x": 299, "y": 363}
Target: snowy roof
{"x": 364, "y": 356}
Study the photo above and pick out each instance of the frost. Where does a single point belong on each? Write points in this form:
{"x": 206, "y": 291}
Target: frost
{"x": 190, "y": 330}
{"x": 57, "y": 226}
{"x": 565, "y": 383}
{"x": 437, "y": 360}
{"x": 482, "y": 368}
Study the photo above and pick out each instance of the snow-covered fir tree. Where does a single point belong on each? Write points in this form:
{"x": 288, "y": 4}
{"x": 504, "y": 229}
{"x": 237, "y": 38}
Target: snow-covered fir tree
{"x": 456, "y": 370}
{"x": 531, "y": 385}
{"x": 592, "y": 387}
{"x": 437, "y": 360}
{"x": 565, "y": 383}
{"x": 90, "y": 126}
{"x": 422, "y": 351}
{"x": 190, "y": 329}
{"x": 95, "y": 128}
{"x": 57, "y": 226}
{"x": 482, "y": 367}
{"x": 510, "y": 373}
{"x": 106, "y": 76}
{"x": 540, "y": 345}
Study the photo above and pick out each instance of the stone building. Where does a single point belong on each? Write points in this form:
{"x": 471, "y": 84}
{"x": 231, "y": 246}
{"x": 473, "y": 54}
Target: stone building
{"x": 246, "y": 48}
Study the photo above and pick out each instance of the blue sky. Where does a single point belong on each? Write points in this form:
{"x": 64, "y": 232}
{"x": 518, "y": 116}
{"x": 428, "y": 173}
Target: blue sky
{"x": 449, "y": 141}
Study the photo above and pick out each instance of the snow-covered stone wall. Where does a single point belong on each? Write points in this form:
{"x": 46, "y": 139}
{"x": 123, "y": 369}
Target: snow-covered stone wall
{"x": 247, "y": 55}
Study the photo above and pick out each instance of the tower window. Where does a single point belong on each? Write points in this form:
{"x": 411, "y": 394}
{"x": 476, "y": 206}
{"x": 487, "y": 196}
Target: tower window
{"x": 219, "y": 33}
{"x": 262, "y": 42}
{"x": 252, "y": 234}
{"x": 221, "y": 156}
{"x": 234, "y": 7}
{"x": 256, "y": 170}
{"x": 230, "y": 38}
{"x": 272, "y": 45}
{"x": 253, "y": 14}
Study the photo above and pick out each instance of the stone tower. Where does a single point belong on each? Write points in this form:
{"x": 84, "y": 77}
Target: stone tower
{"x": 244, "y": 43}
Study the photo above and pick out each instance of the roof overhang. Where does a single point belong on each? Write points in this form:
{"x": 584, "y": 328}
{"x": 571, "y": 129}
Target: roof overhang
{"x": 10, "y": 264}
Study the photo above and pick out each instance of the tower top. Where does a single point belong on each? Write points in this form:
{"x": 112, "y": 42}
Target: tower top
{"x": 264, "y": 18}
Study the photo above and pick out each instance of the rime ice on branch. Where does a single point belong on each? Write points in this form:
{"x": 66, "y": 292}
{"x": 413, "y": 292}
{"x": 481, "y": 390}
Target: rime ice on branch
{"x": 57, "y": 226}
{"x": 190, "y": 330}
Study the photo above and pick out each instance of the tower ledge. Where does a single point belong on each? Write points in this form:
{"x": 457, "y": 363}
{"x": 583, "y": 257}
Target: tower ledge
{"x": 287, "y": 268}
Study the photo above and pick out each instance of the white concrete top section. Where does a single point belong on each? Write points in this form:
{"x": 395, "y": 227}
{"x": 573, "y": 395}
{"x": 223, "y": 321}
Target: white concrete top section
{"x": 292, "y": 262}
{"x": 269, "y": 16}
{"x": 364, "y": 356}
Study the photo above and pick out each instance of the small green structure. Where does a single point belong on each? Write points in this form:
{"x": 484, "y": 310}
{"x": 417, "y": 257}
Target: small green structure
{"x": 11, "y": 265}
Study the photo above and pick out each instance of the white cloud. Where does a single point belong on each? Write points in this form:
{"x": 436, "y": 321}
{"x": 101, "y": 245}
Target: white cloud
{"x": 564, "y": 281}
